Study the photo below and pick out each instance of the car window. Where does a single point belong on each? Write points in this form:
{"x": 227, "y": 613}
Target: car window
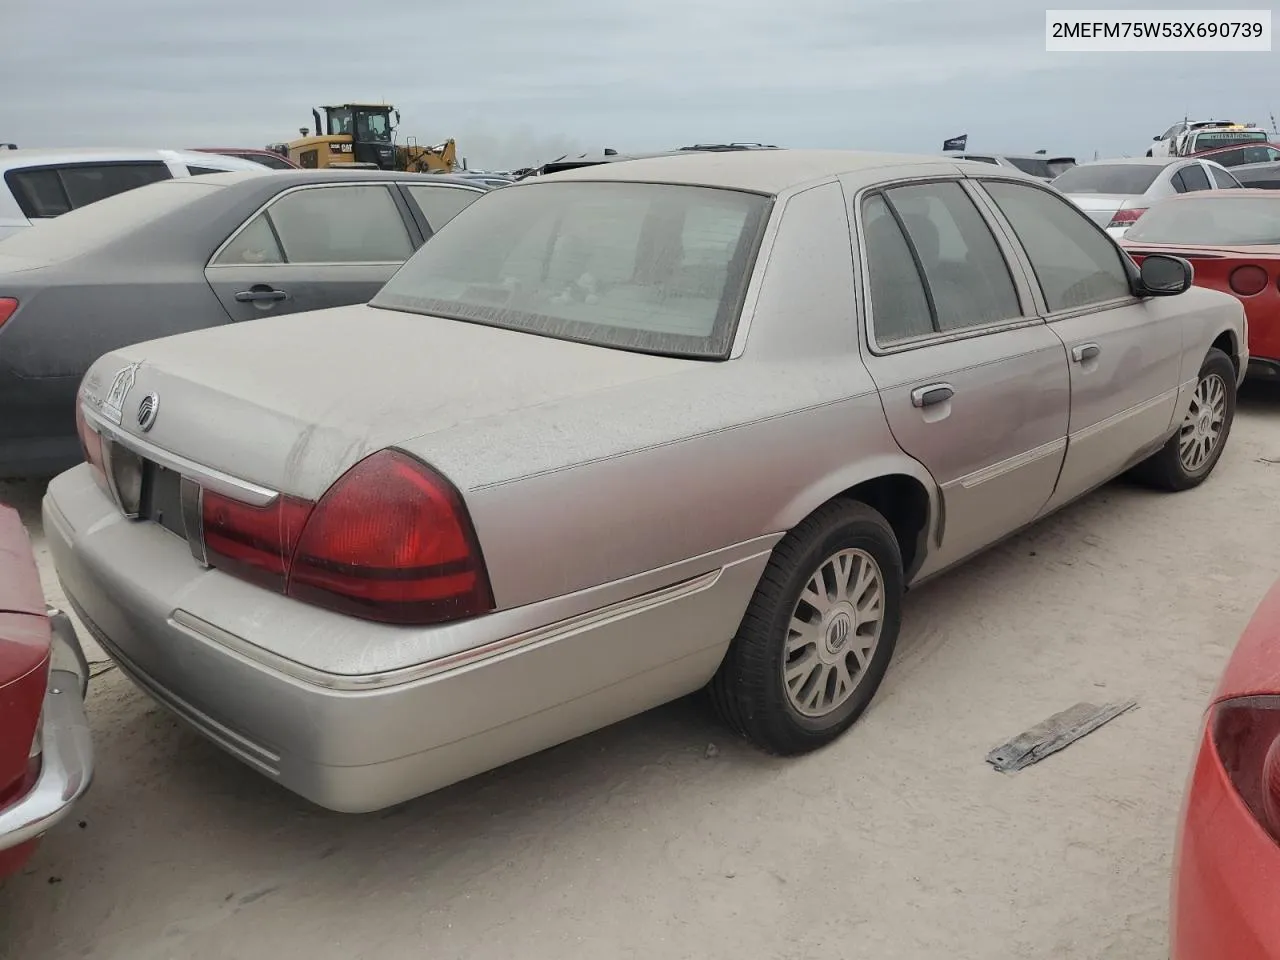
{"x": 1231, "y": 158}
{"x": 201, "y": 171}
{"x": 1035, "y": 167}
{"x": 256, "y": 243}
{"x": 53, "y": 191}
{"x": 899, "y": 305}
{"x": 355, "y": 223}
{"x": 1223, "y": 180}
{"x": 89, "y": 183}
{"x": 1217, "y": 219}
{"x": 39, "y": 193}
{"x": 1074, "y": 262}
{"x": 979, "y": 159}
{"x": 966, "y": 274}
{"x": 441, "y": 204}
{"x": 1191, "y": 178}
{"x": 649, "y": 267}
{"x": 1130, "y": 179}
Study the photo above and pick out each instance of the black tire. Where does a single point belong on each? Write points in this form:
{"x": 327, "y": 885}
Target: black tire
{"x": 1165, "y": 469}
{"x": 749, "y": 690}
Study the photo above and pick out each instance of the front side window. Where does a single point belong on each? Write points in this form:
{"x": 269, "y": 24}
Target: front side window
{"x": 1075, "y": 263}
{"x": 968, "y": 279}
{"x": 1223, "y": 180}
{"x": 656, "y": 268}
{"x": 340, "y": 123}
{"x": 441, "y": 204}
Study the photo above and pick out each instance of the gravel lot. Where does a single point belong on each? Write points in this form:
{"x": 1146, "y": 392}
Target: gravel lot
{"x": 662, "y": 837}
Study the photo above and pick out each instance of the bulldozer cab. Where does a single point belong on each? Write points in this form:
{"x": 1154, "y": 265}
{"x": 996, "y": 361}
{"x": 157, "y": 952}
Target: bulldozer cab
{"x": 368, "y": 128}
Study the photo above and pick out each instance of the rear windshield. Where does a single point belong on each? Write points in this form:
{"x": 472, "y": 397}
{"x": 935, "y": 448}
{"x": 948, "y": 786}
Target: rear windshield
{"x": 1211, "y": 221}
{"x": 1227, "y": 138}
{"x": 100, "y": 223}
{"x": 656, "y": 268}
{"x": 1034, "y": 167}
{"x": 1123, "y": 178}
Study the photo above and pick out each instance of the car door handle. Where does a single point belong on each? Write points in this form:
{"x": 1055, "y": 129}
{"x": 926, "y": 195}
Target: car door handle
{"x": 1085, "y": 351}
{"x": 933, "y": 394}
{"x": 260, "y": 296}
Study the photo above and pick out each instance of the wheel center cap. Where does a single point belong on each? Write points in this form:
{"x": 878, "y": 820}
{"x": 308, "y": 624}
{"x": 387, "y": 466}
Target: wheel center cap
{"x": 839, "y": 630}
{"x": 1204, "y": 424}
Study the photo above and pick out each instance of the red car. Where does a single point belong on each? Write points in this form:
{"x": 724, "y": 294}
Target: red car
{"x": 46, "y": 755}
{"x": 1232, "y": 238}
{"x": 268, "y": 158}
{"x": 1227, "y": 861}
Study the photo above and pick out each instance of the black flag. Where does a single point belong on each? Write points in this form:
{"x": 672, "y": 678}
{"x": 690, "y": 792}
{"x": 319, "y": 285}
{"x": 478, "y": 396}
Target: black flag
{"x": 956, "y": 143}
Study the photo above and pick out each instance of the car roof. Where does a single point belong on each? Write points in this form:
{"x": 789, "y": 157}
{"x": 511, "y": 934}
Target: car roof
{"x": 958, "y": 154}
{"x": 757, "y": 171}
{"x": 42, "y": 156}
{"x": 287, "y": 178}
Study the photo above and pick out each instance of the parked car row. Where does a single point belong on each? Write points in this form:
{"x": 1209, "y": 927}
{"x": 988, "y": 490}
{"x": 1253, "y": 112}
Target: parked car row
{"x": 374, "y": 549}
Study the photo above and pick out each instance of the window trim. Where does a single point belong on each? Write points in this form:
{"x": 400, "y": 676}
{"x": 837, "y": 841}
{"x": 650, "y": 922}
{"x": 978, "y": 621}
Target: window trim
{"x": 212, "y": 264}
{"x": 1045, "y": 314}
{"x": 1025, "y": 292}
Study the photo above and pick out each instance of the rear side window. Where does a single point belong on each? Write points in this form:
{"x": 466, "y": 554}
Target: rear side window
{"x": 1130, "y": 179}
{"x": 355, "y": 223}
{"x": 441, "y": 204}
{"x": 53, "y": 191}
{"x": 968, "y": 279}
{"x": 1075, "y": 263}
{"x": 899, "y": 305}
{"x": 256, "y": 243}
{"x": 1191, "y": 178}
{"x": 201, "y": 171}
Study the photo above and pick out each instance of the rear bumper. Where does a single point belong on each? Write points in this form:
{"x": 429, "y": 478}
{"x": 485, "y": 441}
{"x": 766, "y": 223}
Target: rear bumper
{"x": 332, "y": 720}
{"x": 37, "y": 425}
{"x": 1223, "y": 898}
{"x": 66, "y": 768}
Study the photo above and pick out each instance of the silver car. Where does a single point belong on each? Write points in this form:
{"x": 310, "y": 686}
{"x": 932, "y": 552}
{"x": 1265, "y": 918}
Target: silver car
{"x": 1115, "y": 193}
{"x": 617, "y": 435}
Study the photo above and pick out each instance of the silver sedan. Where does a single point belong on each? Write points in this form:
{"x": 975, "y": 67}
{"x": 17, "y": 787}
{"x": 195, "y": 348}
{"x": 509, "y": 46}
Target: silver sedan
{"x": 1115, "y": 193}
{"x": 617, "y": 435}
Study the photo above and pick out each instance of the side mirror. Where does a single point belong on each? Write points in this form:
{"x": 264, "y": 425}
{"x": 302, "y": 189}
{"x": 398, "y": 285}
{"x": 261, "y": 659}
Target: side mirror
{"x": 1164, "y": 276}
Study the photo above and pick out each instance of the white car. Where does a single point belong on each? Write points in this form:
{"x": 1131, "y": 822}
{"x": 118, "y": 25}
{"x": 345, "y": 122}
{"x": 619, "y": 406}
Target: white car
{"x": 1115, "y": 193}
{"x": 39, "y": 184}
{"x": 1192, "y": 136}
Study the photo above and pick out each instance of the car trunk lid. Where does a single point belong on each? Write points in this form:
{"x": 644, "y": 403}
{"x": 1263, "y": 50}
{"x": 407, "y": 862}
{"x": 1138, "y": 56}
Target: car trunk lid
{"x": 289, "y": 403}
{"x": 1101, "y": 207}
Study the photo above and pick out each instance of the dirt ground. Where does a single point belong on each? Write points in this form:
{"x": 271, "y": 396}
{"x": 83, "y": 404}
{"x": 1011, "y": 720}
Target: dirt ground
{"x": 644, "y": 841}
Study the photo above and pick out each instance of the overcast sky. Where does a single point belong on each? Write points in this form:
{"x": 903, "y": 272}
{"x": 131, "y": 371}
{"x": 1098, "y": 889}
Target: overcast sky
{"x": 522, "y": 81}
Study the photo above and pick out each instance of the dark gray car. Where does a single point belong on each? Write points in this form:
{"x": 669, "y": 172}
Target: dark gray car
{"x": 186, "y": 254}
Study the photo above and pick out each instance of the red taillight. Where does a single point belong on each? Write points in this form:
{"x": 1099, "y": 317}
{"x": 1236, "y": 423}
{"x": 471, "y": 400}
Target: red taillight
{"x": 391, "y": 541}
{"x": 253, "y": 543}
{"x": 90, "y": 442}
{"x": 1247, "y": 280}
{"x": 7, "y": 306}
{"x": 1246, "y": 735}
{"x": 1126, "y": 217}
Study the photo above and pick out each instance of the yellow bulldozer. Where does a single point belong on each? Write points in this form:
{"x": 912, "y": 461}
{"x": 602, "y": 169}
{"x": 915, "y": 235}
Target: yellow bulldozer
{"x": 362, "y": 135}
